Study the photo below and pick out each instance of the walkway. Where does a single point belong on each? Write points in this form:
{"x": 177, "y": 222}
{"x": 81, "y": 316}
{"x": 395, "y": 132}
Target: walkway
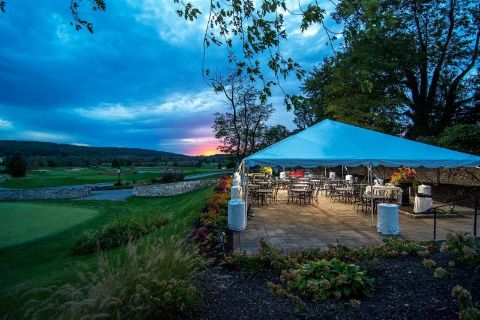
{"x": 294, "y": 227}
{"x": 109, "y": 195}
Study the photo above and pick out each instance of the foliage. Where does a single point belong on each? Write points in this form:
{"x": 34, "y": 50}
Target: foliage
{"x": 119, "y": 232}
{"x": 341, "y": 90}
{"x": 150, "y": 283}
{"x": 274, "y": 134}
{"x": 429, "y": 263}
{"x": 241, "y": 129}
{"x": 224, "y": 184}
{"x": 267, "y": 258}
{"x": 270, "y": 258}
{"x": 17, "y": 165}
{"x": 460, "y": 137}
{"x": 443, "y": 211}
{"x": 464, "y": 247}
{"x": 404, "y": 175}
{"x": 325, "y": 279}
{"x": 212, "y": 223}
{"x": 115, "y": 163}
{"x": 404, "y": 67}
{"x": 266, "y": 170}
{"x": 171, "y": 176}
{"x": 441, "y": 273}
{"x": 467, "y": 310}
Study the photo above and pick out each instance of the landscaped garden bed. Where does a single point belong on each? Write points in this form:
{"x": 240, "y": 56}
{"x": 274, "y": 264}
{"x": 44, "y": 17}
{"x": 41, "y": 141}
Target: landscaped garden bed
{"x": 398, "y": 280}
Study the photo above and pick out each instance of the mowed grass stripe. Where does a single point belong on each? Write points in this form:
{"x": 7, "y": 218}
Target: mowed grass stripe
{"x": 25, "y": 222}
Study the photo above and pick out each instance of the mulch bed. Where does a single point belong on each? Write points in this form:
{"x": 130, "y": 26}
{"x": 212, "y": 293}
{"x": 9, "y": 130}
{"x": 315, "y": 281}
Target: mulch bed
{"x": 404, "y": 289}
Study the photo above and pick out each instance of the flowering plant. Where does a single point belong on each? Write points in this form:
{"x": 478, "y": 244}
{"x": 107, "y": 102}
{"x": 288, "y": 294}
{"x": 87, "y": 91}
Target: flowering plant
{"x": 404, "y": 175}
{"x": 224, "y": 184}
{"x": 266, "y": 170}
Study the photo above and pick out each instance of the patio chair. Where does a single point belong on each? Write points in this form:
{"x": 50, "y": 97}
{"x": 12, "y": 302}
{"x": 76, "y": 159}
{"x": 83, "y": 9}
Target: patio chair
{"x": 364, "y": 202}
{"x": 334, "y": 194}
{"x": 305, "y": 196}
{"x": 291, "y": 196}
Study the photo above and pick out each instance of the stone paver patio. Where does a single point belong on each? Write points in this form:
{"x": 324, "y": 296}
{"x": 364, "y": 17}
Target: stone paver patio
{"x": 294, "y": 227}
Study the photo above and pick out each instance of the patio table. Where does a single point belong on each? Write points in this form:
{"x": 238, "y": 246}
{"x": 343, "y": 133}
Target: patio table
{"x": 302, "y": 192}
{"x": 300, "y": 185}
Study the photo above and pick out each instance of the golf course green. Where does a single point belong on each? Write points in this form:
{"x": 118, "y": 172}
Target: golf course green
{"x": 24, "y": 222}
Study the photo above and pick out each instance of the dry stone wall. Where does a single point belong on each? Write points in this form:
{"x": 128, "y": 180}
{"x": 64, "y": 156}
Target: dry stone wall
{"x": 44, "y": 193}
{"x": 171, "y": 189}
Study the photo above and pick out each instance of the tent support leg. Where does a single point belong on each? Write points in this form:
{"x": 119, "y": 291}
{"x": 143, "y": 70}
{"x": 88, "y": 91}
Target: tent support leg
{"x": 372, "y": 207}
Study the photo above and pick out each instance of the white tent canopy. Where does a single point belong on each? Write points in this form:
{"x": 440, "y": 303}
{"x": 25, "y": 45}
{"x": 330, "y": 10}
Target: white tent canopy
{"x": 332, "y": 143}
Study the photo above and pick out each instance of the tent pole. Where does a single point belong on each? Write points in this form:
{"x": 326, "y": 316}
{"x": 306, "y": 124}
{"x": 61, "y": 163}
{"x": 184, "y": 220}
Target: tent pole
{"x": 370, "y": 180}
{"x": 325, "y": 171}
{"x": 342, "y": 173}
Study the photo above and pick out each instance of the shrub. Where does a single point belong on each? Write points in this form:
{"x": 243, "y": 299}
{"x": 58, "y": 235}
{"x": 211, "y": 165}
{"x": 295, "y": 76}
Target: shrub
{"x": 441, "y": 273}
{"x": 218, "y": 201}
{"x": 271, "y": 258}
{"x": 463, "y": 246}
{"x": 152, "y": 283}
{"x": 17, "y": 165}
{"x": 224, "y": 184}
{"x": 171, "y": 176}
{"x": 118, "y": 233}
{"x": 267, "y": 258}
{"x": 467, "y": 311}
{"x": 212, "y": 222}
{"x": 324, "y": 279}
{"x": 429, "y": 263}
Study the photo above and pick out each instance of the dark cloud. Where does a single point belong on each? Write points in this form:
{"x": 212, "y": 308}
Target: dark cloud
{"x": 135, "y": 82}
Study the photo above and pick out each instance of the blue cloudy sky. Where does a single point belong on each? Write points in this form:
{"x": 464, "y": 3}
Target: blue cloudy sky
{"x": 135, "y": 82}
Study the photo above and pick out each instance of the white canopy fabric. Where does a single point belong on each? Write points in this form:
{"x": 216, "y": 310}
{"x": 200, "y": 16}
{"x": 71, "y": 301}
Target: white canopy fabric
{"x": 332, "y": 143}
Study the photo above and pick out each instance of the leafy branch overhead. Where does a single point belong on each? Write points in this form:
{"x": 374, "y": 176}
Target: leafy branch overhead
{"x": 251, "y": 32}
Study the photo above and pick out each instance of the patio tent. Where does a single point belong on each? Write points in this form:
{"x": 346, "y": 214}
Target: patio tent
{"x": 332, "y": 143}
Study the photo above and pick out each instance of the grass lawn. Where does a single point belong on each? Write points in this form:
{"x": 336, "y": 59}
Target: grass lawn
{"x": 50, "y": 260}
{"x": 62, "y": 176}
{"x": 23, "y": 222}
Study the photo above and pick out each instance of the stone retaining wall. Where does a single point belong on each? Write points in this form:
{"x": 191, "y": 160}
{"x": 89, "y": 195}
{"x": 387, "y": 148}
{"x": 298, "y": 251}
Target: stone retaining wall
{"x": 44, "y": 193}
{"x": 456, "y": 176}
{"x": 171, "y": 189}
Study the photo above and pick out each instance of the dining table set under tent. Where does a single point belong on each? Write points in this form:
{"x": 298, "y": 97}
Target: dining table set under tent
{"x": 330, "y": 144}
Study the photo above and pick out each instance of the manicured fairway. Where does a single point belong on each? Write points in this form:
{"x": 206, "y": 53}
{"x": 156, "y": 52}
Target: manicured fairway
{"x": 67, "y": 176}
{"x": 23, "y": 222}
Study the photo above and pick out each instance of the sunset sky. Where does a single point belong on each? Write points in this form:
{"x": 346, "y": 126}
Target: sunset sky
{"x": 135, "y": 82}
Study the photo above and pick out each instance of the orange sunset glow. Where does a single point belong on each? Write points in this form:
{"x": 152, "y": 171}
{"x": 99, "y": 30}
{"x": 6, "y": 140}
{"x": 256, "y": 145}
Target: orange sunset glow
{"x": 201, "y": 146}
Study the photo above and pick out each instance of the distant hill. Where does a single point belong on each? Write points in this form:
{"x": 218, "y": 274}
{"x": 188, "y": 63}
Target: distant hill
{"x": 48, "y": 153}
{"x": 36, "y": 148}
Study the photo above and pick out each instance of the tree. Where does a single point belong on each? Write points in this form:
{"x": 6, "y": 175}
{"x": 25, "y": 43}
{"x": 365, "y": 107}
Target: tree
{"x": 342, "y": 88}
{"x": 17, "y": 165}
{"x": 274, "y": 134}
{"x": 428, "y": 50}
{"x": 115, "y": 163}
{"x": 240, "y": 129}
{"x": 460, "y": 137}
